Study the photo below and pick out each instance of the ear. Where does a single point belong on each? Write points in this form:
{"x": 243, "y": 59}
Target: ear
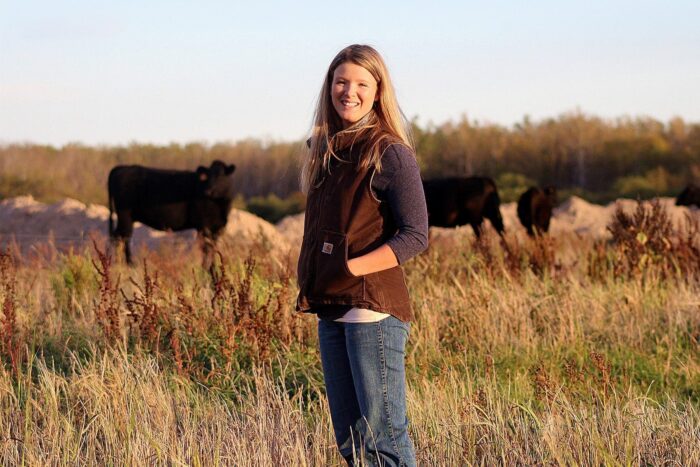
{"x": 202, "y": 173}
{"x": 230, "y": 169}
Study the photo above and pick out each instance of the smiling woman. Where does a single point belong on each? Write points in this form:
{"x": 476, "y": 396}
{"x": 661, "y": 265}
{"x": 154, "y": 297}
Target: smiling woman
{"x": 365, "y": 215}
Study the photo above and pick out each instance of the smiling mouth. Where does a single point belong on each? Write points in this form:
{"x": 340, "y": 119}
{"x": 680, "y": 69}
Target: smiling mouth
{"x": 349, "y": 105}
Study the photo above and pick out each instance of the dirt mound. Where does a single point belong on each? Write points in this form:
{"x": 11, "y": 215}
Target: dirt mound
{"x": 579, "y": 216}
{"x": 575, "y": 215}
{"x": 67, "y": 222}
{"x": 70, "y": 222}
{"x": 292, "y": 228}
{"x": 247, "y": 226}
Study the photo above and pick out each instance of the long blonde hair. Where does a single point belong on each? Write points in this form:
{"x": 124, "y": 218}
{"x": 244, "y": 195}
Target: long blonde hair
{"x": 383, "y": 125}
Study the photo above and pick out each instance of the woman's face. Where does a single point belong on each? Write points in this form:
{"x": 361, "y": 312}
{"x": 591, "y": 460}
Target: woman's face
{"x": 353, "y": 92}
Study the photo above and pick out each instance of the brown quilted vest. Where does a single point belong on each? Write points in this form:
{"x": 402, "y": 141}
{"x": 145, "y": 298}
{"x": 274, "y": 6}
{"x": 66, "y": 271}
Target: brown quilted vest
{"x": 344, "y": 220}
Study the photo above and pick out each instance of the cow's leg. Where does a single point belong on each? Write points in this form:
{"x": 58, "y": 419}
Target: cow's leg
{"x": 127, "y": 251}
{"x": 476, "y": 225}
{"x": 208, "y": 240}
{"x": 114, "y": 241}
{"x": 125, "y": 228}
{"x": 543, "y": 216}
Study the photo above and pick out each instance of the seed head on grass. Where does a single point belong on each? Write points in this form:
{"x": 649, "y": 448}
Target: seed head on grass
{"x": 603, "y": 367}
{"x": 545, "y": 387}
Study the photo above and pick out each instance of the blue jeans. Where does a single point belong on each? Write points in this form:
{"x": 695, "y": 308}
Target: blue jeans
{"x": 363, "y": 367}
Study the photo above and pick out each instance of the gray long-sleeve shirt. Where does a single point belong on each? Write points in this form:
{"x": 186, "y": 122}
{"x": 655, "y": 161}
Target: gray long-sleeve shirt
{"x": 399, "y": 184}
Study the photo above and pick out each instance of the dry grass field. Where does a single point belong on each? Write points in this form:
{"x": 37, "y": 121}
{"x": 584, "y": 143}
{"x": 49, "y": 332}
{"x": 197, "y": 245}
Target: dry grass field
{"x": 558, "y": 351}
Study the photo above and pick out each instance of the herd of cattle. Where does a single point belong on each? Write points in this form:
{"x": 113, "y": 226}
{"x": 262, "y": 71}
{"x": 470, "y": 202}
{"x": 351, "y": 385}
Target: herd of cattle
{"x": 179, "y": 200}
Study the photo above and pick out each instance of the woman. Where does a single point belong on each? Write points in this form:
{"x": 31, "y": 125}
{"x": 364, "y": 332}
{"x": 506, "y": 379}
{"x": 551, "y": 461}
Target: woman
{"x": 365, "y": 216}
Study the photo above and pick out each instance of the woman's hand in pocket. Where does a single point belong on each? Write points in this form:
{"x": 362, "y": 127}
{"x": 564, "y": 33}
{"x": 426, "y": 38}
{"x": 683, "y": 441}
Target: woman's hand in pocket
{"x": 376, "y": 260}
{"x": 352, "y": 267}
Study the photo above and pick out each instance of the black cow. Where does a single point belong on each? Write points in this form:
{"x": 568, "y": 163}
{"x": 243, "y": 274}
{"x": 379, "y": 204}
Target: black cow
{"x": 463, "y": 200}
{"x": 171, "y": 200}
{"x": 535, "y": 209}
{"x": 690, "y": 196}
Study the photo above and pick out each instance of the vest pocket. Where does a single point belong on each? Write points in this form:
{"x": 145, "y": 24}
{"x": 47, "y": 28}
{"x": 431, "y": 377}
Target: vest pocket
{"x": 333, "y": 278}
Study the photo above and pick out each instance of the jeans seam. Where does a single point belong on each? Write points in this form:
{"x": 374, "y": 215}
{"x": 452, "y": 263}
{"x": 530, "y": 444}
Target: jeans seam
{"x": 385, "y": 392}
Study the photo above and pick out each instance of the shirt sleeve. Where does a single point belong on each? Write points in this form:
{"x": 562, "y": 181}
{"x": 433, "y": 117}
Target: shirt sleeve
{"x": 399, "y": 184}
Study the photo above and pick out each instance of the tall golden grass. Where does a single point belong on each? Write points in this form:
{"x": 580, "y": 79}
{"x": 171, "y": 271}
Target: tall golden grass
{"x": 556, "y": 351}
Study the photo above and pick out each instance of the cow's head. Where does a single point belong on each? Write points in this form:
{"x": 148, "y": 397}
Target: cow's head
{"x": 217, "y": 180}
{"x": 689, "y": 196}
{"x": 551, "y": 193}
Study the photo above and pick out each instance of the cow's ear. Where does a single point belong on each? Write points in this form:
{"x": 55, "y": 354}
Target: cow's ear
{"x": 230, "y": 169}
{"x": 202, "y": 173}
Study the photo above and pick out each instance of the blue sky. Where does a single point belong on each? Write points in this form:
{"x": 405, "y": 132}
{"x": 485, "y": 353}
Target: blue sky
{"x": 108, "y": 72}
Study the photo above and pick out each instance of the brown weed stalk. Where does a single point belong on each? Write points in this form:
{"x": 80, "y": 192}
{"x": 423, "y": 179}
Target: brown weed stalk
{"x": 144, "y": 308}
{"x": 8, "y": 321}
{"x": 245, "y": 322}
{"x": 107, "y": 310}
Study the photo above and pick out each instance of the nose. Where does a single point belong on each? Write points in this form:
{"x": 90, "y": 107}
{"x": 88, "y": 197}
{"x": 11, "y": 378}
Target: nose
{"x": 349, "y": 90}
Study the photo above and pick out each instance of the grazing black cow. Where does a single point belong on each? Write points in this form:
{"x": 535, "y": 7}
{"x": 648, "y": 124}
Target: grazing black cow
{"x": 463, "y": 200}
{"x": 171, "y": 200}
{"x": 535, "y": 209}
{"x": 690, "y": 196}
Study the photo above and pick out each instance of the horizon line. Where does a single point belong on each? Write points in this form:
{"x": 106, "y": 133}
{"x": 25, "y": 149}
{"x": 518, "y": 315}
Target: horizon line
{"x": 267, "y": 140}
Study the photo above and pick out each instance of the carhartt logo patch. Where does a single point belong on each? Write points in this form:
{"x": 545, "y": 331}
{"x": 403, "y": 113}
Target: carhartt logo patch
{"x": 327, "y": 248}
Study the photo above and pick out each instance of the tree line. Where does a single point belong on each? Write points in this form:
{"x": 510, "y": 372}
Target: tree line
{"x": 580, "y": 154}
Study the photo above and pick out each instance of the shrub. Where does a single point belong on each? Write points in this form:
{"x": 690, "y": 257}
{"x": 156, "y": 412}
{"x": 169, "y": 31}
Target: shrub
{"x": 273, "y": 209}
{"x": 646, "y": 242}
{"x": 512, "y": 185}
{"x": 655, "y": 182}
